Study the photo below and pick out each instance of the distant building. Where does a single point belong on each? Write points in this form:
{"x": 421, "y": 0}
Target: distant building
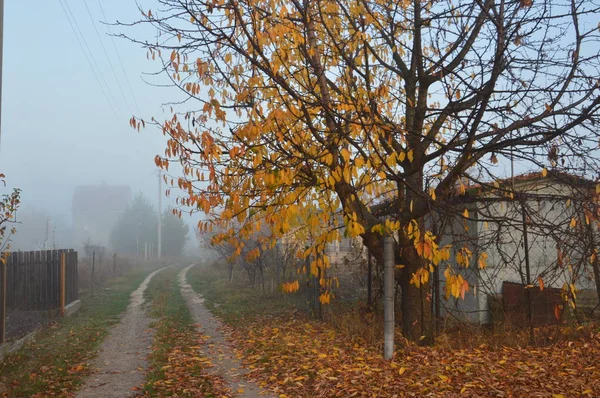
{"x": 96, "y": 209}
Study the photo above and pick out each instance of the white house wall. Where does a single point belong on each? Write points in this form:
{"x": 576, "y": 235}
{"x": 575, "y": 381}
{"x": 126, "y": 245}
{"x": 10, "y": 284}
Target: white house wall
{"x": 505, "y": 250}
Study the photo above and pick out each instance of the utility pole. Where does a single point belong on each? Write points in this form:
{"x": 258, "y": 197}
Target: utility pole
{"x": 1, "y": 61}
{"x": 47, "y": 232}
{"x": 159, "y": 247}
{"x": 137, "y": 243}
{"x": 3, "y": 270}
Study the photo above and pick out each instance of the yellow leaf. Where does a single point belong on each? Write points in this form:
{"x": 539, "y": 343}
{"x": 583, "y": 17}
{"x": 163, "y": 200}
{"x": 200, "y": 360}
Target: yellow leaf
{"x": 558, "y": 396}
{"x": 411, "y": 155}
{"x": 466, "y": 213}
{"x": 444, "y": 378}
{"x": 359, "y": 162}
{"x": 401, "y": 370}
{"x": 544, "y": 172}
{"x": 483, "y": 260}
{"x": 345, "y": 154}
{"x": 573, "y": 222}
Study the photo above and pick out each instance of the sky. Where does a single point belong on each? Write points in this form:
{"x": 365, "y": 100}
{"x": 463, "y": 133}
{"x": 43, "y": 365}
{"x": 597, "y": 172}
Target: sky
{"x": 58, "y": 128}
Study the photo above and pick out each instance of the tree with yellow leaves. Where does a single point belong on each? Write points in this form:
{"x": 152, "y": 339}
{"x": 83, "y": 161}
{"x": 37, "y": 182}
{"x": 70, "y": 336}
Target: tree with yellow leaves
{"x": 384, "y": 109}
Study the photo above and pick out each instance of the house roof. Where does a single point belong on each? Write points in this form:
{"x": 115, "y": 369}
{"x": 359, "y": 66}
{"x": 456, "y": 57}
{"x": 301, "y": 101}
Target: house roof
{"x": 473, "y": 191}
{"x": 551, "y": 175}
{"x": 101, "y": 198}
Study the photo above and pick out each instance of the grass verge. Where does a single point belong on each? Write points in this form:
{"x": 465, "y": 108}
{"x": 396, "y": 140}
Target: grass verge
{"x": 55, "y": 363}
{"x": 237, "y": 304}
{"x": 177, "y": 368}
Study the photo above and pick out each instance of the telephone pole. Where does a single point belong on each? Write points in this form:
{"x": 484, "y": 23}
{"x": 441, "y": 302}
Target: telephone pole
{"x": 159, "y": 247}
{"x": 1, "y": 61}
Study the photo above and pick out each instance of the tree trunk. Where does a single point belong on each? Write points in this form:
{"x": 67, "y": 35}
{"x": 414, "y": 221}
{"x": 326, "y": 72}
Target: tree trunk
{"x": 416, "y": 305}
{"x": 417, "y": 311}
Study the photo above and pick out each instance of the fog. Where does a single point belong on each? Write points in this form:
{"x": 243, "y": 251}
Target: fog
{"x": 59, "y": 128}
{"x": 66, "y": 104}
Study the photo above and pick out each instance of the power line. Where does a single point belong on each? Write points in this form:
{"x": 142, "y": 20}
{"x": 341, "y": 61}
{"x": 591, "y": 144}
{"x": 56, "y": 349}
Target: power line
{"x": 116, "y": 114}
{"x": 119, "y": 58}
{"x": 93, "y": 59}
{"x": 112, "y": 69}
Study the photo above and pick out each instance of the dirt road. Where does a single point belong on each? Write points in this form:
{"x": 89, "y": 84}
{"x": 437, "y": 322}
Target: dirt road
{"x": 122, "y": 358}
{"x": 219, "y": 350}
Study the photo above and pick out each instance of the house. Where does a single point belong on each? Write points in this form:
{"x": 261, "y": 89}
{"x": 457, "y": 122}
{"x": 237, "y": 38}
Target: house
{"x": 551, "y": 207}
{"x": 541, "y": 235}
{"x": 96, "y": 209}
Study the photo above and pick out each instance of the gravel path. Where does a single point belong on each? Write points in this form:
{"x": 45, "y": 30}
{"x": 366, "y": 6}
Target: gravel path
{"x": 219, "y": 350}
{"x": 122, "y": 358}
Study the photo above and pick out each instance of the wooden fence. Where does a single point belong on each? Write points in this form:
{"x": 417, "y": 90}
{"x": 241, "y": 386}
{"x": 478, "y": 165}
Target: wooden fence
{"x": 37, "y": 281}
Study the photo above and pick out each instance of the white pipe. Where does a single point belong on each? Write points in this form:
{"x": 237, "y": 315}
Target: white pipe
{"x": 388, "y": 297}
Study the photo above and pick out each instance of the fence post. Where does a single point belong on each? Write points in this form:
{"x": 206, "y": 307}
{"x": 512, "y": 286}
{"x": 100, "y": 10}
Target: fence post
{"x": 3, "y": 286}
{"x": 76, "y": 275}
{"x": 93, "y": 270}
{"x": 63, "y": 274}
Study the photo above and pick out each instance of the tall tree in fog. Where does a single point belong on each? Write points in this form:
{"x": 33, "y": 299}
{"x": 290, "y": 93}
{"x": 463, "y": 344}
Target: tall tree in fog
{"x": 135, "y": 228}
{"x": 174, "y": 234}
